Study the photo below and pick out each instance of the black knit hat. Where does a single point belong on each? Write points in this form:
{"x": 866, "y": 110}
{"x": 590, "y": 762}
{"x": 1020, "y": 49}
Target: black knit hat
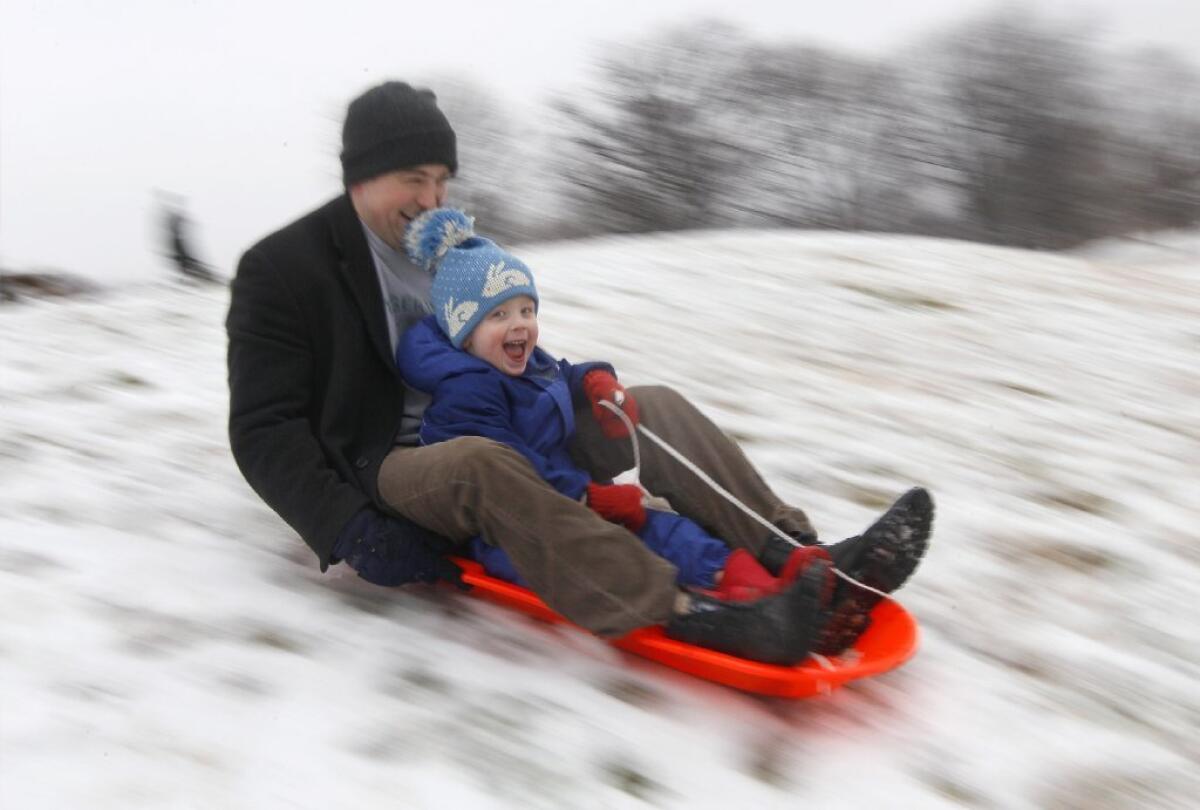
{"x": 394, "y": 126}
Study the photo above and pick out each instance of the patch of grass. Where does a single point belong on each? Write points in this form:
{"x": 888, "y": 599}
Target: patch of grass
{"x": 870, "y": 497}
{"x": 741, "y": 438}
{"x": 27, "y": 562}
{"x": 376, "y": 605}
{"x": 275, "y": 639}
{"x": 627, "y": 778}
{"x": 731, "y": 405}
{"x": 1025, "y": 389}
{"x": 632, "y": 692}
{"x": 426, "y": 681}
{"x": 767, "y": 762}
{"x": 1031, "y": 668}
{"x": 847, "y": 259}
{"x": 1177, "y": 430}
{"x": 125, "y": 379}
{"x": 1091, "y": 789}
{"x": 382, "y": 745}
{"x": 1080, "y": 500}
{"x": 955, "y": 790}
{"x": 14, "y": 449}
{"x": 244, "y": 684}
{"x": 899, "y": 297}
{"x": 87, "y": 691}
{"x": 159, "y": 641}
{"x": 1074, "y": 558}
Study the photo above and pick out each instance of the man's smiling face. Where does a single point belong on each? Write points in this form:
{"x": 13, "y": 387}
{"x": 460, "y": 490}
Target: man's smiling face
{"x": 389, "y": 202}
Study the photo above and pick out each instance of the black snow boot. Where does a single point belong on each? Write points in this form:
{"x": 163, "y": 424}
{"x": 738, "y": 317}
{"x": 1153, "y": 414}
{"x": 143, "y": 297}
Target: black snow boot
{"x": 883, "y": 557}
{"x": 778, "y": 629}
{"x": 776, "y": 551}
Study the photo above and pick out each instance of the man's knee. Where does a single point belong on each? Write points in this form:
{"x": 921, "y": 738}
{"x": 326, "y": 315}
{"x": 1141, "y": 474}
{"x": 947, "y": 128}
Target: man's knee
{"x": 652, "y": 398}
{"x": 473, "y": 459}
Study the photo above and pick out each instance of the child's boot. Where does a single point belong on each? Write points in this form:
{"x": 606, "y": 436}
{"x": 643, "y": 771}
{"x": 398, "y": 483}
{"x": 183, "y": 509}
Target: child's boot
{"x": 777, "y": 551}
{"x": 777, "y": 629}
{"x": 744, "y": 577}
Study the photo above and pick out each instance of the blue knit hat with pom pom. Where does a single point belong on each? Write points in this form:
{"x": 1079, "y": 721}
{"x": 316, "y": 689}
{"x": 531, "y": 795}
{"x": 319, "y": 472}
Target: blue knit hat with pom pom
{"x": 472, "y": 275}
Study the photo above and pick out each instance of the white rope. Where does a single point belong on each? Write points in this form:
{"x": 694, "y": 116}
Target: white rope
{"x": 822, "y": 661}
{"x": 619, "y": 396}
{"x": 706, "y": 478}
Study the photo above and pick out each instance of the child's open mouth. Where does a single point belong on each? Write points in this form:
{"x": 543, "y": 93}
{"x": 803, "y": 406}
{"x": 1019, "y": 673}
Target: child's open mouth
{"x": 515, "y": 349}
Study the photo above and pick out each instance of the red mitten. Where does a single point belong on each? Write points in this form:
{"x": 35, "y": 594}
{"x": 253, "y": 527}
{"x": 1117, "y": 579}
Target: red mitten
{"x": 600, "y": 385}
{"x": 618, "y": 503}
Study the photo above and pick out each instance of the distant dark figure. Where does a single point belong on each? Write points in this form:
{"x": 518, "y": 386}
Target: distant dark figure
{"x": 179, "y": 248}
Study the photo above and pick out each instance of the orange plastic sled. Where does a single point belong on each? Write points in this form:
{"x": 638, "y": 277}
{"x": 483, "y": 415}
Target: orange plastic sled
{"x": 889, "y": 642}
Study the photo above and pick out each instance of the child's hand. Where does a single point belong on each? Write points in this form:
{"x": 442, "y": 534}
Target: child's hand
{"x": 618, "y": 503}
{"x": 599, "y": 385}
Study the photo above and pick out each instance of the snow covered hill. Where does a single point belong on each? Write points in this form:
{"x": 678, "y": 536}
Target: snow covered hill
{"x": 166, "y": 642}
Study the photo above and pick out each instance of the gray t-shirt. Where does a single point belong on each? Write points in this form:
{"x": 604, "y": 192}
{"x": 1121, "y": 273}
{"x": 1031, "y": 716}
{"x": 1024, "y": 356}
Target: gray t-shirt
{"x": 405, "y": 289}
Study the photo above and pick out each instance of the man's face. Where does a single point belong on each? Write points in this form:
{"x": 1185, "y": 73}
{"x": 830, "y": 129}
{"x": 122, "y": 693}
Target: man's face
{"x": 506, "y": 336}
{"x": 389, "y": 202}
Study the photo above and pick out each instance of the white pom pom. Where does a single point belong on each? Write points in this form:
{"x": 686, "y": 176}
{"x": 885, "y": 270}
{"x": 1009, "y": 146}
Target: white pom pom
{"x": 433, "y": 233}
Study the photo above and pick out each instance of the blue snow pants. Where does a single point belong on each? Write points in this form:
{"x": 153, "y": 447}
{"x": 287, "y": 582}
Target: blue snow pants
{"x": 698, "y": 555}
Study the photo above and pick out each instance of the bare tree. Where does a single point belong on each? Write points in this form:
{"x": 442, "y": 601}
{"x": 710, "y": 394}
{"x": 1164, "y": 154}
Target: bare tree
{"x": 833, "y": 140}
{"x": 1026, "y": 126}
{"x": 492, "y": 182}
{"x": 703, "y": 127}
{"x": 652, "y": 150}
{"x": 1155, "y": 102}
{"x": 1008, "y": 128}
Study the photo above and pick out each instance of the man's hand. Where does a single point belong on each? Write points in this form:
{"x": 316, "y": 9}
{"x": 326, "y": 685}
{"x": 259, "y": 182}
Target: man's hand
{"x": 386, "y": 550}
{"x": 618, "y": 503}
{"x": 599, "y": 385}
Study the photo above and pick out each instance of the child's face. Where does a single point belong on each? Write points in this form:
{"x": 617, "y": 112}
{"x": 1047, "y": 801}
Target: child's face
{"x": 506, "y": 335}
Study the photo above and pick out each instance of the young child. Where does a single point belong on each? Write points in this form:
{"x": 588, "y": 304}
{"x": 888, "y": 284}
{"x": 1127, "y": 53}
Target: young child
{"x": 478, "y": 357}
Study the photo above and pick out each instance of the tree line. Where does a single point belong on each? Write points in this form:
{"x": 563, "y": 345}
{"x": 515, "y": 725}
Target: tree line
{"x": 1007, "y": 129}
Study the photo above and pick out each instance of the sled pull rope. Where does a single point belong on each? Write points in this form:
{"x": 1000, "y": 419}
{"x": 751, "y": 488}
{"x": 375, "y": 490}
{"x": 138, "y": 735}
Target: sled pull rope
{"x": 706, "y": 478}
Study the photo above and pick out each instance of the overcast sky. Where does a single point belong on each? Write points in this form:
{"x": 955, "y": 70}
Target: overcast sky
{"x": 236, "y": 104}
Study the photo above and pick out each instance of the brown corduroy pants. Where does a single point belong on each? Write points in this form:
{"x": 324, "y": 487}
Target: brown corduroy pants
{"x": 595, "y": 573}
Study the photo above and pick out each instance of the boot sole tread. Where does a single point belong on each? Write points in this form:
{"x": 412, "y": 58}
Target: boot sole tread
{"x": 903, "y": 536}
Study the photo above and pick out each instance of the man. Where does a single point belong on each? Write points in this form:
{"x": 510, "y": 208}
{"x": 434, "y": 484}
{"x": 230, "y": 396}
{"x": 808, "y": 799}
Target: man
{"x": 324, "y": 429}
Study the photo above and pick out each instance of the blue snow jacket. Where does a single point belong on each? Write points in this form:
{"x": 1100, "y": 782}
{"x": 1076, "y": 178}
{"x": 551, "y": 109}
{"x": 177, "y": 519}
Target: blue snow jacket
{"x": 533, "y": 414}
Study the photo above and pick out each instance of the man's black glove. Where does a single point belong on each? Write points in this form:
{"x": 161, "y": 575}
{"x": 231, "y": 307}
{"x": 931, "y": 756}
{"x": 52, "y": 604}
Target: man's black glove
{"x": 387, "y": 550}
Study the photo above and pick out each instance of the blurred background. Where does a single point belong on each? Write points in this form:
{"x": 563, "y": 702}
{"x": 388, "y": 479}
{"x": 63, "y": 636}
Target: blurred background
{"x": 1003, "y": 123}
{"x": 951, "y": 243}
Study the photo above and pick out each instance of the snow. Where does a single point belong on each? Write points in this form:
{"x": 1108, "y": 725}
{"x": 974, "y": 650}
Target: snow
{"x": 165, "y": 641}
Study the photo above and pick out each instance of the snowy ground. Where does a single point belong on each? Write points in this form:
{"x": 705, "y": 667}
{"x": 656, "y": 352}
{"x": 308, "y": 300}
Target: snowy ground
{"x": 166, "y": 642}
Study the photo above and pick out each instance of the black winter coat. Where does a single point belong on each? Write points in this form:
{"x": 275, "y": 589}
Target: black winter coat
{"x": 314, "y": 395}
